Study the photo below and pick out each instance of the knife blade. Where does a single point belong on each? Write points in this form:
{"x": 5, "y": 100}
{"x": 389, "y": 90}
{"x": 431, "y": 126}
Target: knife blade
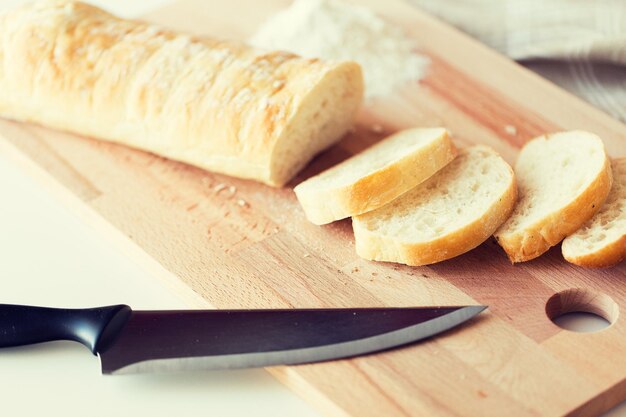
{"x": 130, "y": 341}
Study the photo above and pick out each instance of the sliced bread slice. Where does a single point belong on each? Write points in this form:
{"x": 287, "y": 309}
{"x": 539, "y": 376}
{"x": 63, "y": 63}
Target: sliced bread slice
{"x": 563, "y": 180}
{"x": 375, "y": 176}
{"x": 601, "y": 242}
{"x": 452, "y": 212}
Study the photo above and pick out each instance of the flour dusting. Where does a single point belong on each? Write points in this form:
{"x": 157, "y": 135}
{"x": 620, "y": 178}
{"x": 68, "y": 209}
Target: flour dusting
{"x": 332, "y": 29}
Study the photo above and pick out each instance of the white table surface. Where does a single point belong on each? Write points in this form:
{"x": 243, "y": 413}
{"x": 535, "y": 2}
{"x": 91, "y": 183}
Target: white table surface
{"x": 49, "y": 257}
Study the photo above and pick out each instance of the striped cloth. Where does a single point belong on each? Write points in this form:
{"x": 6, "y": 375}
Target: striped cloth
{"x": 577, "y": 44}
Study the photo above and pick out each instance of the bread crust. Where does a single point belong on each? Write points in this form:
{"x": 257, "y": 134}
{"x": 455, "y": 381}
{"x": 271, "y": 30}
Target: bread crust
{"x": 385, "y": 248}
{"x": 534, "y": 240}
{"x": 219, "y": 105}
{"x": 609, "y": 254}
{"x": 324, "y": 205}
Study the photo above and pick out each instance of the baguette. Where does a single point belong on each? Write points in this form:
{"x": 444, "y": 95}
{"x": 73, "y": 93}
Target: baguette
{"x": 454, "y": 211}
{"x": 601, "y": 242}
{"x": 219, "y": 105}
{"x": 376, "y": 176}
{"x": 564, "y": 178}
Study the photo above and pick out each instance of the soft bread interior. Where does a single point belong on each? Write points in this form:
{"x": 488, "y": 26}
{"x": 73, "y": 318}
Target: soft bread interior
{"x": 375, "y": 158}
{"x": 552, "y": 171}
{"x": 608, "y": 225}
{"x": 326, "y": 114}
{"x": 450, "y": 200}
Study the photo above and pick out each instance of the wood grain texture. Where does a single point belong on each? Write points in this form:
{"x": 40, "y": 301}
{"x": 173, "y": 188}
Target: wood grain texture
{"x": 232, "y": 243}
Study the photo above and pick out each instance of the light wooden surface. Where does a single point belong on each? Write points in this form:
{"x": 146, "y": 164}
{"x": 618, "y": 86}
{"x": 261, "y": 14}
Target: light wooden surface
{"x": 512, "y": 360}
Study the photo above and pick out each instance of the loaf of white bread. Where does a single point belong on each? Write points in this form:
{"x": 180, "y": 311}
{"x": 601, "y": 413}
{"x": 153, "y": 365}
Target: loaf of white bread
{"x": 222, "y": 106}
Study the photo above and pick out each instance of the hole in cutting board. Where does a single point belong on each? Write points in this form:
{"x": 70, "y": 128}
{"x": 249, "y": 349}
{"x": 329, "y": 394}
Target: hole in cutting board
{"x": 581, "y": 322}
{"x": 582, "y": 310}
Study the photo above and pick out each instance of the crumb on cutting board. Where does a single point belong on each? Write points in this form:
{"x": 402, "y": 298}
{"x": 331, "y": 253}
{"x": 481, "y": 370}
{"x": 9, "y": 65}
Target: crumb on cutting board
{"x": 376, "y": 128}
{"x": 219, "y": 187}
{"x": 510, "y": 130}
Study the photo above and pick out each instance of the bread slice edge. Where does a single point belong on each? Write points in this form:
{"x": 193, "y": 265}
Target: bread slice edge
{"x": 374, "y": 247}
{"x": 535, "y": 240}
{"x": 345, "y": 76}
{"x": 379, "y": 187}
{"x": 610, "y": 253}
{"x": 608, "y": 256}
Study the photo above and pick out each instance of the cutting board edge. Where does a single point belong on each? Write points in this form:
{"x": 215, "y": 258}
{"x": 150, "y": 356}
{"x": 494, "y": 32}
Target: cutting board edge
{"x": 82, "y": 209}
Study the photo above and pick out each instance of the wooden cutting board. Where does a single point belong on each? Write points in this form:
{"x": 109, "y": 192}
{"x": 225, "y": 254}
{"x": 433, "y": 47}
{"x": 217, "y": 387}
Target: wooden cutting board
{"x": 250, "y": 245}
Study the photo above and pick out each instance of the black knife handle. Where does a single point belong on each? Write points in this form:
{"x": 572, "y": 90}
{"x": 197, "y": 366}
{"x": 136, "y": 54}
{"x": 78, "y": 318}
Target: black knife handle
{"x": 93, "y": 327}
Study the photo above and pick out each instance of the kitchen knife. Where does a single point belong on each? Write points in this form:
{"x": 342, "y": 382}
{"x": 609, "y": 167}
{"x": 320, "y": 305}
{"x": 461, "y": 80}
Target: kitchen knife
{"x": 134, "y": 341}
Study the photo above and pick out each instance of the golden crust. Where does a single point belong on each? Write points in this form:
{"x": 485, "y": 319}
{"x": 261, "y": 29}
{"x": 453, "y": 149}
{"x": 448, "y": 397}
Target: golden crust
{"x": 535, "y": 240}
{"x": 323, "y": 205}
{"x": 375, "y": 247}
{"x": 608, "y": 256}
{"x": 220, "y": 105}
